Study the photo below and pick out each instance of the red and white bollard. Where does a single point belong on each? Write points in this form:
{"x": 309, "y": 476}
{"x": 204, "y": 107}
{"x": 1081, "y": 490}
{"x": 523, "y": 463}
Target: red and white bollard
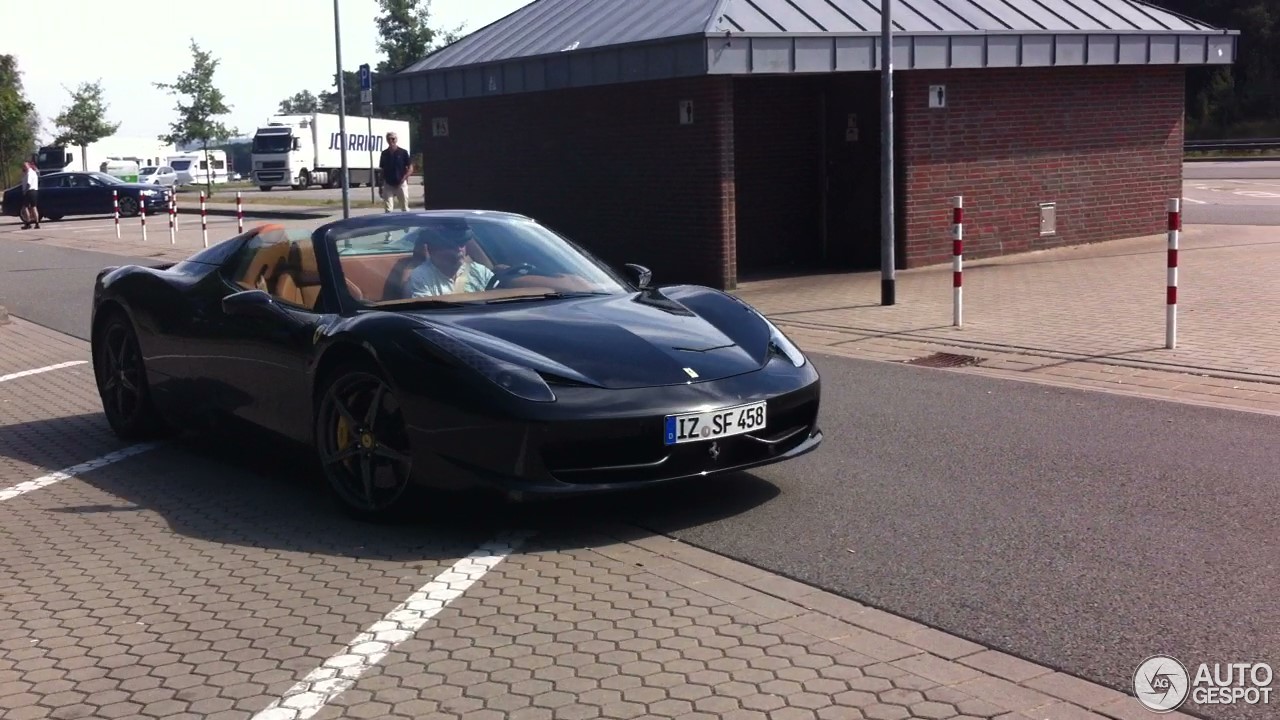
{"x": 204, "y": 222}
{"x": 173, "y": 236}
{"x": 1171, "y": 293}
{"x": 115, "y": 203}
{"x": 957, "y": 259}
{"x": 173, "y": 203}
{"x": 142, "y": 215}
{"x": 239, "y": 214}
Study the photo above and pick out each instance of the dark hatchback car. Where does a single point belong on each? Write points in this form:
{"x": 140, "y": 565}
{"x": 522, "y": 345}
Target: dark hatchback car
{"x": 89, "y": 193}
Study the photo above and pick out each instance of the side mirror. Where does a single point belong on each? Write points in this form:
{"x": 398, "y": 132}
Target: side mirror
{"x": 250, "y": 303}
{"x": 639, "y": 275}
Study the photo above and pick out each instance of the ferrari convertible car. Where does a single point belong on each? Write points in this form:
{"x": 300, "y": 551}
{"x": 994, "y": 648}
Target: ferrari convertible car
{"x": 458, "y": 350}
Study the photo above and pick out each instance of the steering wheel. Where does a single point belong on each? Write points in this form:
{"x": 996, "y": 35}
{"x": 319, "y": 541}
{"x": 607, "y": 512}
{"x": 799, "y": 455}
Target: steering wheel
{"x": 512, "y": 272}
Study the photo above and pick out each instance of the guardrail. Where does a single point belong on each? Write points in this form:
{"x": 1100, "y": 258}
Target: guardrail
{"x": 1241, "y": 144}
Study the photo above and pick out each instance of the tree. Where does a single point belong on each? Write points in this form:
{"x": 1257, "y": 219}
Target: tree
{"x": 350, "y": 89}
{"x": 1243, "y": 98}
{"x": 196, "y": 119}
{"x": 19, "y": 122}
{"x": 299, "y": 103}
{"x": 406, "y": 36}
{"x": 85, "y": 121}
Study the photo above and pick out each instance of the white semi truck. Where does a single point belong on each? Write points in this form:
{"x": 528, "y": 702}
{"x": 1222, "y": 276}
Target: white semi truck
{"x": 299, "y": 151}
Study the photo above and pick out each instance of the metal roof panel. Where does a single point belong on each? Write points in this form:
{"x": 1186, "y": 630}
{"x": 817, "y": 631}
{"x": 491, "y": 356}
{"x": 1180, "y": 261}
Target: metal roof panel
{"x": 943, "y": 15}
{"x": 548, "y": 27}
{"x": 986, "y": 15}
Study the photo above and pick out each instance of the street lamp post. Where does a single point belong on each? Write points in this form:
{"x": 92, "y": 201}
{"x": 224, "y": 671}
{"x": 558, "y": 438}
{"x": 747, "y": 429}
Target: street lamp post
{"x": 342, "y": 110}
{"x": 887, "y": 265}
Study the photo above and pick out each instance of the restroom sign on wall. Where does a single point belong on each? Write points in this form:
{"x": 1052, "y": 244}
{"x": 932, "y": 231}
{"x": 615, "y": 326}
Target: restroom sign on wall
{"x": 937, "y": 96}
{"x": 686, "y": 112}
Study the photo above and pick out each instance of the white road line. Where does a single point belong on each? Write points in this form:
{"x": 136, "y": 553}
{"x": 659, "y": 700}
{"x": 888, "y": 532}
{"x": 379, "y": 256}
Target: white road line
{"x": 1197, "y": 202}
{"x": 37, "y": 371}
{"x": 337, "y": 674}
{"x": 23, "y": 488}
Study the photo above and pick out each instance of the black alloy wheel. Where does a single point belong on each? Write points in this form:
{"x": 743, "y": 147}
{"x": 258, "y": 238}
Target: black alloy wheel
{"x": 128, "y": 205}
{"x": 122, "y": 381}
{"x": 362, "y": 443}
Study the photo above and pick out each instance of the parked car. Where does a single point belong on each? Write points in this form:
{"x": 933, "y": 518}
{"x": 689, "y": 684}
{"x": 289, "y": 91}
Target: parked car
{"x": 548, "y": 373}
{"x": 162, "y": 175}
{"x": 89, "y": 193}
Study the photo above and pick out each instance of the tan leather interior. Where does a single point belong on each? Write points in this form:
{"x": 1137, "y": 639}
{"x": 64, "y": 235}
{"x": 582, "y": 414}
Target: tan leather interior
{"x": 261, "y": 273}
{"x": 300, "y": 282}
{"x": 288, "y": 270}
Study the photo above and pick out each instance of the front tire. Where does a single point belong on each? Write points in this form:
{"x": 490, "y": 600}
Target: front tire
{"x": 128, "y": 206}
{"x": 362, "y": 444}
{"x": 121, "y": 375}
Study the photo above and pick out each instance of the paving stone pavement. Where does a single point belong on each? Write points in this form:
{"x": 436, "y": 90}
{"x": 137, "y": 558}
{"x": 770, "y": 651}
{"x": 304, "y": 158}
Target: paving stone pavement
{"x": 1091, "y": 316}
{"x": 183, "y": 581}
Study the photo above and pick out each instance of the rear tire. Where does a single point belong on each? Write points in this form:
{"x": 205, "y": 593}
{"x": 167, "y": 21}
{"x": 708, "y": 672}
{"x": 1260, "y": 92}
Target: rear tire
{"x": 362, "y": 444}
{"x": 121, "y": 374}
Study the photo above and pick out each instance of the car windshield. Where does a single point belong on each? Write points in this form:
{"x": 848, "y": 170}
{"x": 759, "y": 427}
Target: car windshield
{"x": 148, "y": 171}
{"x": 106, "y": 179}
{"x": 442, "y": 261}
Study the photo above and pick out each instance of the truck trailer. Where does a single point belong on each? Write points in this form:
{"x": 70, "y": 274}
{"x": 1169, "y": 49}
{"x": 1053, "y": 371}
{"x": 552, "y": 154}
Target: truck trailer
{"x": 299, "y": 151}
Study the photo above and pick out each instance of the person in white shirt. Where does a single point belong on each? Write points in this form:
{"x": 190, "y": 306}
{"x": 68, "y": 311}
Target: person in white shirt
{"x": 447, "y": 269}
{"x": 30, "y": 212}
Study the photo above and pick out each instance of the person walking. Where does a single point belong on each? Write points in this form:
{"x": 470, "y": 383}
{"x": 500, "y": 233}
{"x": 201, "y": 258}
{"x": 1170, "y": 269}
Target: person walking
{"x": 30, "y": 212}
{"x": 396, "y": 166}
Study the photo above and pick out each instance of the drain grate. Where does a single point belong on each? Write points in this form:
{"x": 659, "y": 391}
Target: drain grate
{"x": 945, "y": 360}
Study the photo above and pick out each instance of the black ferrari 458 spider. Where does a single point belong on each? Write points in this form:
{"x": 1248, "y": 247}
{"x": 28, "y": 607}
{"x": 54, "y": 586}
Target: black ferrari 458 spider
{"x": 460, "y": 350}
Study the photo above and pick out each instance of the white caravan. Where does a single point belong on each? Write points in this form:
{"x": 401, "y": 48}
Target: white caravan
{"x": 143, "y": 151}
{"x": 302, "y": 150}
{"x": 193, "y": 168}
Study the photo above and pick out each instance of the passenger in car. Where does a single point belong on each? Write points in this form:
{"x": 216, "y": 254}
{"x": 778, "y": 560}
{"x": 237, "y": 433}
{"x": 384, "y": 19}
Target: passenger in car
{"x": 448, "y": 269}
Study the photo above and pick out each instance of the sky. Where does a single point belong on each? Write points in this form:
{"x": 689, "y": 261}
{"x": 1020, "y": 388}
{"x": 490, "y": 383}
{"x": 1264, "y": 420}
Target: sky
{"x": 269, "y": 50}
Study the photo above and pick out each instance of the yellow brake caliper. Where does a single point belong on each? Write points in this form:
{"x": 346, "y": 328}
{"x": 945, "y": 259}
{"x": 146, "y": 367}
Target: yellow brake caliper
{"x": 344, "y": 438}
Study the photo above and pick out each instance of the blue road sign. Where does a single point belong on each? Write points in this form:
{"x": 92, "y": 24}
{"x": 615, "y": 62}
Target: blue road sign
{"x": 366, "y": 77}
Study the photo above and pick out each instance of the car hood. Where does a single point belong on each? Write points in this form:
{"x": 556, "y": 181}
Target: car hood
{"x": 620, "y": 341}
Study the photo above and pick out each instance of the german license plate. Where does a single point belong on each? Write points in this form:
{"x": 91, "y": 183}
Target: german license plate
{"x": 712, "y": 424}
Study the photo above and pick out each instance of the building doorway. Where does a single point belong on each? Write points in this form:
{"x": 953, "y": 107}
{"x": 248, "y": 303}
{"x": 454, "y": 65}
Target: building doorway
{"x": 851, "y": 166}
{"x": 807, "y": 174}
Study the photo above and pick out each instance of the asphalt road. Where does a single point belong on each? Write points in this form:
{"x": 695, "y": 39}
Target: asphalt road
{"x": 1081, "y": 530}
{"x": 51, "y": 285}
{"x": 1231, "y": 202}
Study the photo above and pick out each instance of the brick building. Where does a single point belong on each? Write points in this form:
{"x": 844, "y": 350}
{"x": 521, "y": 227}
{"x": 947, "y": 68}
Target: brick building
{"x": 718, "y": 139}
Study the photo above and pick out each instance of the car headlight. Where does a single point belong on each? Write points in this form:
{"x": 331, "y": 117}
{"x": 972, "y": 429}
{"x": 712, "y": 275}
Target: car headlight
{"x": 779, "y": 343}
{"x": 515, "y": 379}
